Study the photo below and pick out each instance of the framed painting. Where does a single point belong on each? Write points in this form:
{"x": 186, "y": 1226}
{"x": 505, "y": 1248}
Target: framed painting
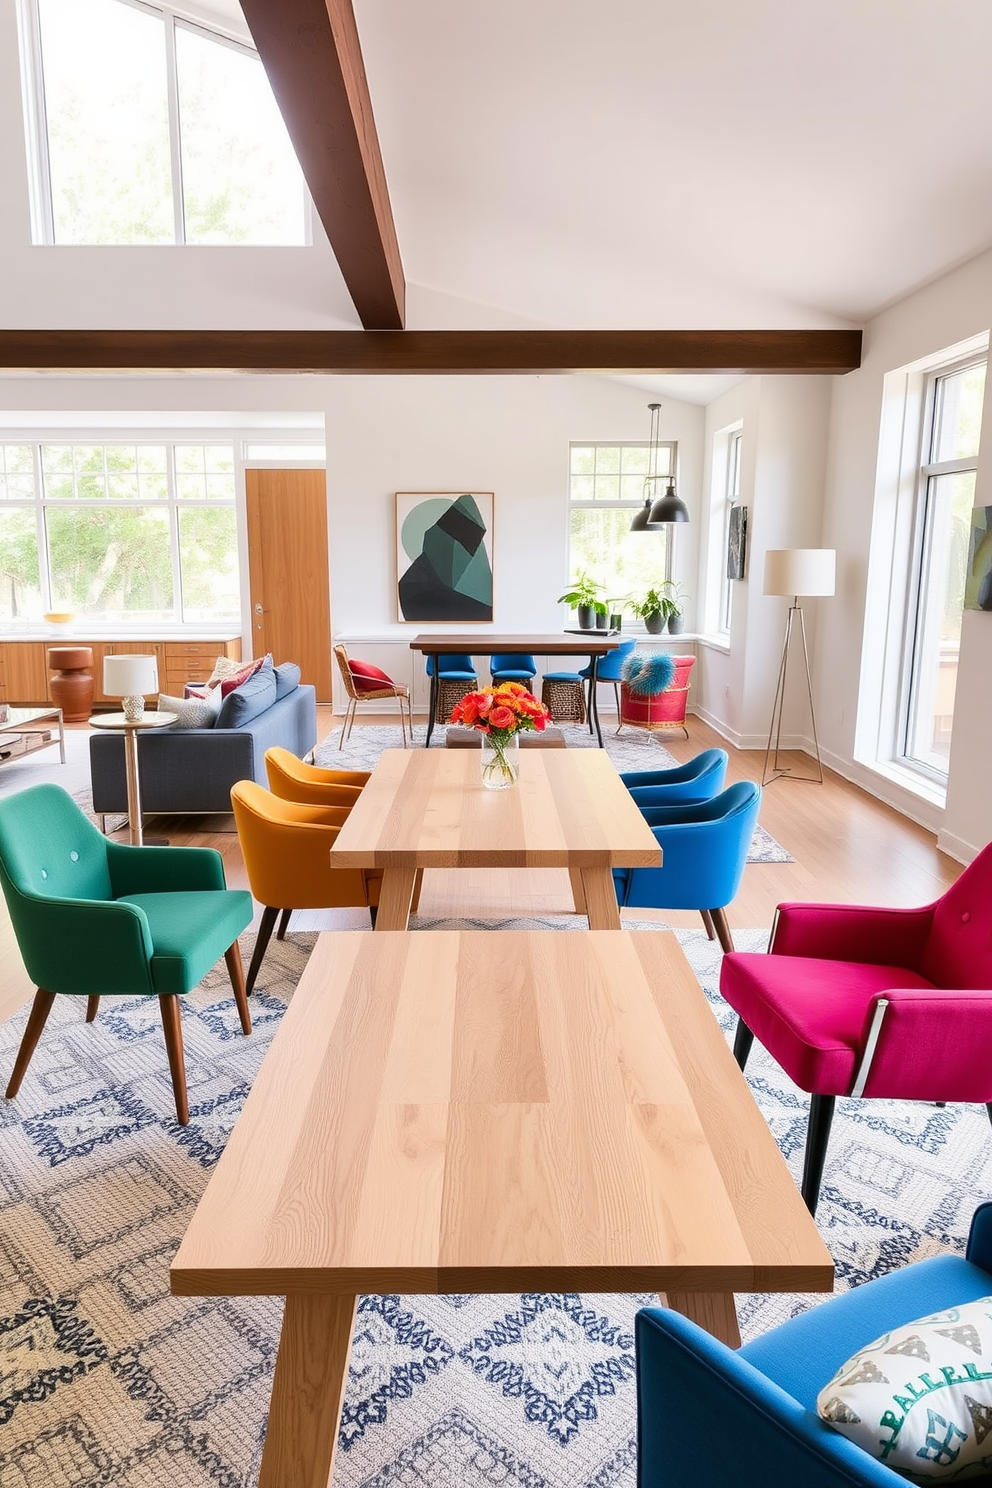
{"x": 444, "y": 556}
{"x": 737, "y": 542}
{"x": 978, "y": 579}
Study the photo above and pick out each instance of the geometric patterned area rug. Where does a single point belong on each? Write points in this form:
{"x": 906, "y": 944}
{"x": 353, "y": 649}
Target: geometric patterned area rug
{"x": 634, "y": 750}
{"x": 107, "y": 1379}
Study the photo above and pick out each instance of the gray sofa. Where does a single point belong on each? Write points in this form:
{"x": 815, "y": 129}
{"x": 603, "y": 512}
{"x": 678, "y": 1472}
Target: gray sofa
{"x": 192, "y": 770}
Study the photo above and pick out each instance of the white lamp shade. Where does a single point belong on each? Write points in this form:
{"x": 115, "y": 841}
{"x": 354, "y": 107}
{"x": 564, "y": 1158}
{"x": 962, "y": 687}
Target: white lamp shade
{"x": 130, "y": 676}
{"x": 800, "y": 571}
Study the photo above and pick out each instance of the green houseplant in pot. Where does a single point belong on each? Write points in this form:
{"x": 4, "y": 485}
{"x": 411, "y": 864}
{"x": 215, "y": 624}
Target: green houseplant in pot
{"x": 654, "y": 609}
{"x": 583, "y": 597}
{"x": 676, "y": 619}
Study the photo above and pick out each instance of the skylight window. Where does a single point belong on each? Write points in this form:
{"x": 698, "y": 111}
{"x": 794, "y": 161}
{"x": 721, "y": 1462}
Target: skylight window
{"x": 149, "y": 129}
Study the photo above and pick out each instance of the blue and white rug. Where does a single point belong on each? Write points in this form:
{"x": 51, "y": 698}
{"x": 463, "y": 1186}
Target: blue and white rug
{"x": 634, "y": 749}
{"x": 107, "y": 1379}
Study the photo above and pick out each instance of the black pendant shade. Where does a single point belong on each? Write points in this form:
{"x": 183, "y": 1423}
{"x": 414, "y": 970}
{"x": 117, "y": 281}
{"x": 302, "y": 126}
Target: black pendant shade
{"x": 668, "y": 508}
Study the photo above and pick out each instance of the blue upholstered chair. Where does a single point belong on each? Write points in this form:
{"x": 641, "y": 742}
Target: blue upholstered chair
{"x": 704, "y": 850}
{"x": 510, "y": 666}
{"x": 456, "y": 675}
{"x": 759, "y": 1401}
{"x": 699, "y": 779}
{"x": 607, "y": 670}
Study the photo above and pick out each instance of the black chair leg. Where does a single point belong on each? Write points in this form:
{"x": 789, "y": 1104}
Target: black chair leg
{"x": 283, "y": 924}
{"x": 821, "y": 1114}
{"x": 265, "y": 929}
{"x": 373, "y": 911}
{"x": 743, "y": 1039}
{"x": 988, "y": 1107}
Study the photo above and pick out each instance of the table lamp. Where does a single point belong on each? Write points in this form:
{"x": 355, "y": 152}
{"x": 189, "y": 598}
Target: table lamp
{"x": 801, "y": 573}
{"x": 130, "y": 677}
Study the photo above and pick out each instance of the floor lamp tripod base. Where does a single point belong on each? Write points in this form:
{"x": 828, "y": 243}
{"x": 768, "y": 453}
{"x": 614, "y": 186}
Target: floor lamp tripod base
{"x": 773, "y": 769}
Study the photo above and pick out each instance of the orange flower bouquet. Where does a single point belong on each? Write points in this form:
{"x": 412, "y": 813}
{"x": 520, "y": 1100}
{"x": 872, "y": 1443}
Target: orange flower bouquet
{"x": 500, "y": 715}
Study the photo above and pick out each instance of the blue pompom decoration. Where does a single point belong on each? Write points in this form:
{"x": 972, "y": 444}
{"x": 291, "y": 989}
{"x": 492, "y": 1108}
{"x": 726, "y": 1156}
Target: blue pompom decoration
{"x": 648, "y": 672}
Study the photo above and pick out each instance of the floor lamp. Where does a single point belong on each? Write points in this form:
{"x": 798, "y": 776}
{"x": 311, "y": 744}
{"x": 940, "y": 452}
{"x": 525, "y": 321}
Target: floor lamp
{"x": 801, "y": 573}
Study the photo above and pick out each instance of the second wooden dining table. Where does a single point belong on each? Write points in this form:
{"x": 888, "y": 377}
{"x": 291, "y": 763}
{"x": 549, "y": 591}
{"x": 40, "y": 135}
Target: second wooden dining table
{"x": 428, "y": 808}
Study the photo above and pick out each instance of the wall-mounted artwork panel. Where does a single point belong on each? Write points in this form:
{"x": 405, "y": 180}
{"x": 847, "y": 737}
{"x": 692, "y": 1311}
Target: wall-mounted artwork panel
{"x": 978, "y": 580}
{"x": 444, "y": 556}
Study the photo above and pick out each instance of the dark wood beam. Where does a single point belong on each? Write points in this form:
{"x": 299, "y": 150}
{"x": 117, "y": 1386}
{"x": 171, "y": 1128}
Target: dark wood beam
{"x": 311, "y": 54}
{"x": 420, "y": 352}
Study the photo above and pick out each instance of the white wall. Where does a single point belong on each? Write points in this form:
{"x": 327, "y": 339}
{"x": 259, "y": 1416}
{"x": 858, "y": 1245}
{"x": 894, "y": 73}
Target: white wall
{"x": 953, "y": 308}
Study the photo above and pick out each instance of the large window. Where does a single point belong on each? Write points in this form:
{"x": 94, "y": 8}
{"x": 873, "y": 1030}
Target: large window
{"x": 147, "y": 129}
{"x": 946, "y": 495}
{"x": 606, "y": 489}
{"x": 725, "y": 493}
{"x": 119, "y": 533}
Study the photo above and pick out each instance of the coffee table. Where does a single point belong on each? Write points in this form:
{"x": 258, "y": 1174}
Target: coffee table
{"x": 28, "y": 724}
{"x": 428, "y": 808}
{"x": 471, "y": 1112}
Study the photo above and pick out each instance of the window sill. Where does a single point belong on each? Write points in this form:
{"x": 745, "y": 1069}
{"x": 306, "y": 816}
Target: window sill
{"x": 716, "y": 643}
{"x": 909, "y": 780}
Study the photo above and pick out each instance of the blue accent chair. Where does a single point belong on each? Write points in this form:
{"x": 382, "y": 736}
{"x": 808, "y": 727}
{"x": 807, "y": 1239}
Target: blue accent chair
{"x": 760, "y": 1400}
{"x": 510, "y": 666}
{"x": 699, "y": 779}
{"x": 704, "y": 850}
{"x": 607, "y": 670}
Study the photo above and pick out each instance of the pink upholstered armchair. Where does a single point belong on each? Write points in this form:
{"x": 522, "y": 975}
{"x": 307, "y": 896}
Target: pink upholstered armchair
{"x": 890, "y": 1003}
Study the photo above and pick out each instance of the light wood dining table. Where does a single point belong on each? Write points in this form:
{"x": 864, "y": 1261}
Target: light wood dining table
{"x": 428, "y": 808}
{"x": 472, "y": 1112}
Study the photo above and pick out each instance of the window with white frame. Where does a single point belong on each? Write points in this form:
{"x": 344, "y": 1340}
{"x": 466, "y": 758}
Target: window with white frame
{"x": 119, "y": 533}
{"x": 953, "y": 400}
{"x": 146, "y": 128}
{"x": 725, "y": 493}
{"x": 605, "y": 490}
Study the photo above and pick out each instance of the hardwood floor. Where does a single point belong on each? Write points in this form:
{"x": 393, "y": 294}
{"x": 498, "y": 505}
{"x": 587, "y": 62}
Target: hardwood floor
{"x": 847, "y": 846}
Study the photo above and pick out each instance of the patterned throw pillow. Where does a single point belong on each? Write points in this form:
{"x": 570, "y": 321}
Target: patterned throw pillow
{"x": 250, "y": 669}
{"x": 191, "y": 713}
{"x": 920, "y": 1398}
{"x": 224, "y": 668}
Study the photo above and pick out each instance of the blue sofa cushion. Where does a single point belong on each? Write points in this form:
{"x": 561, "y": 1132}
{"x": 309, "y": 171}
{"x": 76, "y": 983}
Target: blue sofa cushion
{"x": 248, "y": 700}
{"x": 287, "y": 678}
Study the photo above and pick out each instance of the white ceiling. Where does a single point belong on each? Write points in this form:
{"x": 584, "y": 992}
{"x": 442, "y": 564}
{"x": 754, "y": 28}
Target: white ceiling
{"x": 682, "y": 163}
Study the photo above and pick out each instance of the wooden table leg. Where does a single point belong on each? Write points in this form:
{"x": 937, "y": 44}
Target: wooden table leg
{"x": 305, "y": 1410}
{"x": 601, "y": 899}
{"x": 714, "y": 1311}
{"x": 395, "y": 898}
{"x": 578, "y": 892}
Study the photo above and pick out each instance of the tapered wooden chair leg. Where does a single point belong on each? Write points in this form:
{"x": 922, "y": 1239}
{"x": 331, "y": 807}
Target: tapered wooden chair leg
{"x": 722, "y": 929}
{"x": 283, "y": 924}
{"x": 821, "y": 1114}
{"x": 269, "y": 916}
{"x": 236, "y": 972}
{"x": 708, "y": 924}
{"x": 37, "y": 1018}
{"x": 172, "y": 1025}
{"x": 92, "y": 1008}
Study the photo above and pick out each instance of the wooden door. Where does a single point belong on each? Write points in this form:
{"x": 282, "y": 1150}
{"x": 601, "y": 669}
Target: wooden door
{"x": 287, "y": 569}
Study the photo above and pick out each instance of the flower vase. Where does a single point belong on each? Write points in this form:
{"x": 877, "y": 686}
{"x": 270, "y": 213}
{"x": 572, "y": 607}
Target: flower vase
{"x": 500, "y": 761}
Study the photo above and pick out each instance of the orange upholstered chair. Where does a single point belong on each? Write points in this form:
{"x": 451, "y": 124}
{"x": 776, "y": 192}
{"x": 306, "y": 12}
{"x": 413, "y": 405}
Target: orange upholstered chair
{"x": 286, "y": 847}
{"x": 291, "y": 779}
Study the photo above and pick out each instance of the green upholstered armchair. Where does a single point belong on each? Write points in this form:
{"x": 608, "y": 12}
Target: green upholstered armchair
{"x": 95, "y": 918}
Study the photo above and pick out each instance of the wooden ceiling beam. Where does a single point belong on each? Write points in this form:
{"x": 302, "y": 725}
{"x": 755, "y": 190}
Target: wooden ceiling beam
{"x": 312, "y": 57}
{"x": 433, "y": 352}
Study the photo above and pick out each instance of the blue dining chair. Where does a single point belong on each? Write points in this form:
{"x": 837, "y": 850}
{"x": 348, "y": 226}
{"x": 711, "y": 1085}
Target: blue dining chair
{"x": 607, "y": 670}
{"x": 456, "y": 675}
{"x": 511, "y": 666}
{"x": 699, "y": 779}
{"x": 760, "y": 1400}
{"x": 704, "y": 849}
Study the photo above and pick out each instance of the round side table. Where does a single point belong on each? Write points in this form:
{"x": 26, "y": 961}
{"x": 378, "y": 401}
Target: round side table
{"x": 72, "y": 686}
{"x": 118, "y": 723}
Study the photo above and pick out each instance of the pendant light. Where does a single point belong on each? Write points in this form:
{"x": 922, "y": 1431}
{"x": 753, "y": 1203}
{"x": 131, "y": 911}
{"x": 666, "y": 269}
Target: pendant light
{"x": 657, "y": 511}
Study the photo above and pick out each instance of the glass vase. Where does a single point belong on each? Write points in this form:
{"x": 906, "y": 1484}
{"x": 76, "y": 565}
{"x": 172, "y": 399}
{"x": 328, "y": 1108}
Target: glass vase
{"x": 500, "y": 761}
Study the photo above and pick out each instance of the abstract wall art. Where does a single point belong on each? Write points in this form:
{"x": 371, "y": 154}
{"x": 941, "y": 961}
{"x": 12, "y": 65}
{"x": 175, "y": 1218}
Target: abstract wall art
{"x": 737, "y": 542}
{"x": 444, "y": 556}
{"x": 978, "y": 579}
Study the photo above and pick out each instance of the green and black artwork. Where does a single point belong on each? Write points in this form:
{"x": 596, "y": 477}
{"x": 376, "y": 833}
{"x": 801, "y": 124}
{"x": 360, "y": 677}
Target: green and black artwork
{"x": 443, "y": 552}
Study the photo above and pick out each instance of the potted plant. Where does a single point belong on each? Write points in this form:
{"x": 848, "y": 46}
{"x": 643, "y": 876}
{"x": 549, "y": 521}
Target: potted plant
{"x": 676, "y": 620}
{"x": 654, "y": 609}
{"x": 583, "y": 598}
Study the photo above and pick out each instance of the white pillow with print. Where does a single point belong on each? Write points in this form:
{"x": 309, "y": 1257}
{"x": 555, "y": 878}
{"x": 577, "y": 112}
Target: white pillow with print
{"x": 920, "y": 1398}
{"x": 192, "y": 713}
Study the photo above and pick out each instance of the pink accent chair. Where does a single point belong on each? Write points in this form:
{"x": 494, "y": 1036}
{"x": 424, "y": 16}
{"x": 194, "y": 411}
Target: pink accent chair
{"x": 894, "y": 1004}
{"x": 666, "y": 710}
